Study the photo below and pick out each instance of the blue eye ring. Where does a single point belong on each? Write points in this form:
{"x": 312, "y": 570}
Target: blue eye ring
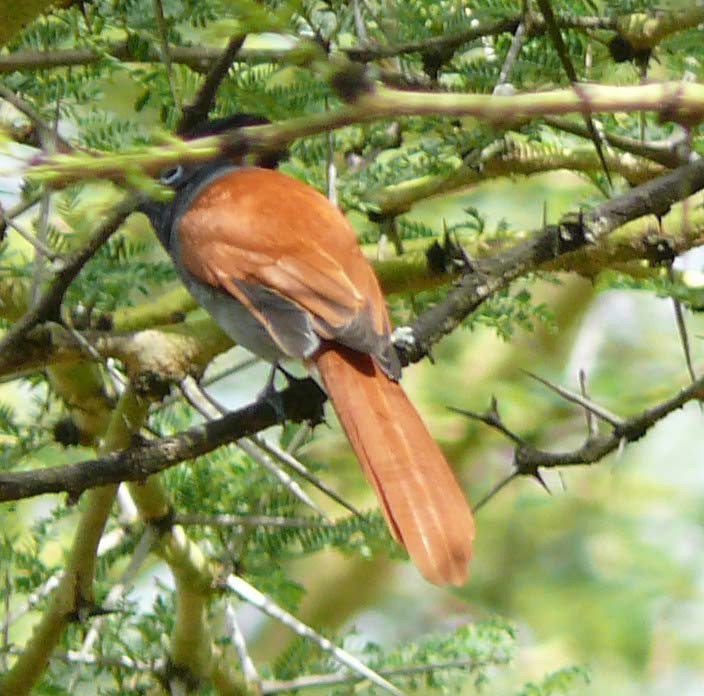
{"x": 171, "y": 176}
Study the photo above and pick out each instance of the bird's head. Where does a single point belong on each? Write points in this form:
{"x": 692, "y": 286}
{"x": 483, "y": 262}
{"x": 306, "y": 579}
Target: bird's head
{"x": 185, "y": 179}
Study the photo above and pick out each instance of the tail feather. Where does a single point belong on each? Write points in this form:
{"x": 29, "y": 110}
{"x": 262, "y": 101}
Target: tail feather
{"x": 423, "y": 504}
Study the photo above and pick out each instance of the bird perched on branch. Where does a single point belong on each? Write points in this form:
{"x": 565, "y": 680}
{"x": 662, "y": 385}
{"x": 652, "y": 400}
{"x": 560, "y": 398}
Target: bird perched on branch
{"x": 279, "y": 269}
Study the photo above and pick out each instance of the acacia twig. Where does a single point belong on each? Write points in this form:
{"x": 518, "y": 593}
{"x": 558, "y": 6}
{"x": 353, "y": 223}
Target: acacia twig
{"x": 588, "y": 405}
{"x": 312, "y": 681}
{"x": 519, "y": 38}
{"x": 555, "y": 35}
{"x": 682, "y": 329}
{"x": 162, "y": 30}
{"x": 38, "y": 244}
{"x": 18, "y": 209}
{"x": 528, "y": 460}
{"x": 197, "y": 112}
{"x": 665, "y": 152}
{"x": 210, "y": 409}
{"x": 251, "y": 449}
{"x": 252, "y": 596}
{"x": 259, "y": 449}
{"x": 592, "y": 424}
{"x": 186, "y": 519}
{"x": 249, "y": 669}
{"x": 45, "y": 131}
{"x": 574, "y": 232}
{"x": 302, "y": 400}
{"x": 291, "y": 461}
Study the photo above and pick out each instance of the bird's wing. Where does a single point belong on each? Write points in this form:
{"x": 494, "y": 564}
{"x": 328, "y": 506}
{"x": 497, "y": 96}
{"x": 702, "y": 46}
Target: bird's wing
{"x": 253, "y": 228}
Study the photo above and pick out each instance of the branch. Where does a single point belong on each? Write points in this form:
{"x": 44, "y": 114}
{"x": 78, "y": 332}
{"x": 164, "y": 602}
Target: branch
{"x": 211, "y": 410}
{"x": 574, "y": 232}
{"x": 186, "y": 519}
{"x": 46, "y": 132}
{"x": 510, "y": 156}
{"x": 313, "y": 681}
{"x": 301, "y": 401}
{"x": 73, "y": 597}
{"x": 162, "y": 31}
{"x": 201, "y": 58}
{"x": 251, "y": 595}
{"x": 668, "y": 152}
{"x": 528, "y": 460}
{"x": 559, "y": 44}
{"x": 197, "y": 112}
{"x": 48, "y": 306}
{"x": 249, "y": 670}
{"x": 671, "y": 100}
{"x": 198, "y": 58}
{"x": 640, "y": 30}
{"x": 173, "y": 351}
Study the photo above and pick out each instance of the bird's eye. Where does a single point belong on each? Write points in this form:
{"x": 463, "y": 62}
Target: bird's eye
{"x": 171, "y": 176}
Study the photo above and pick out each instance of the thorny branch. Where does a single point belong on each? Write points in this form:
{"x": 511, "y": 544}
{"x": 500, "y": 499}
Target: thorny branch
{"x": 301, "y": 401}
{"x": 528, "y": 460}
{"x": 574, "y": 232}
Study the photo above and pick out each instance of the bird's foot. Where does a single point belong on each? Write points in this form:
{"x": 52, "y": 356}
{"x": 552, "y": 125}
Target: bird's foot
{"x": 273, "y": 397}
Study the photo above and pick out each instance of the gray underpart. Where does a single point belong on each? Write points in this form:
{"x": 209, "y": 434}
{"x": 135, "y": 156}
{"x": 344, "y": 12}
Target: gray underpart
{"x": 291, "y": 324}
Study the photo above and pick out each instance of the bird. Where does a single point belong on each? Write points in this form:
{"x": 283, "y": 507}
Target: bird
{"x": 278, "y": 267}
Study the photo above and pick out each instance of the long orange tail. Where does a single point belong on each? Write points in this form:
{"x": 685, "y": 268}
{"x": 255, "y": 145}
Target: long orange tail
{"x": 421, "y": 499}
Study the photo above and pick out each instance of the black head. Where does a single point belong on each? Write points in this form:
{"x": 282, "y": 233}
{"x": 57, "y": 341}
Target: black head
{"x": 185, "y": 179}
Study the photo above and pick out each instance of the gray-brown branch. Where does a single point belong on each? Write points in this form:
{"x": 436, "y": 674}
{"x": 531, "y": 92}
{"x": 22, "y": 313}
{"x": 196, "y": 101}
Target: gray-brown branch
{"x": 528, "y": 459}
{"x": 301, "y": 401}
{"x": 574, "y": 232}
